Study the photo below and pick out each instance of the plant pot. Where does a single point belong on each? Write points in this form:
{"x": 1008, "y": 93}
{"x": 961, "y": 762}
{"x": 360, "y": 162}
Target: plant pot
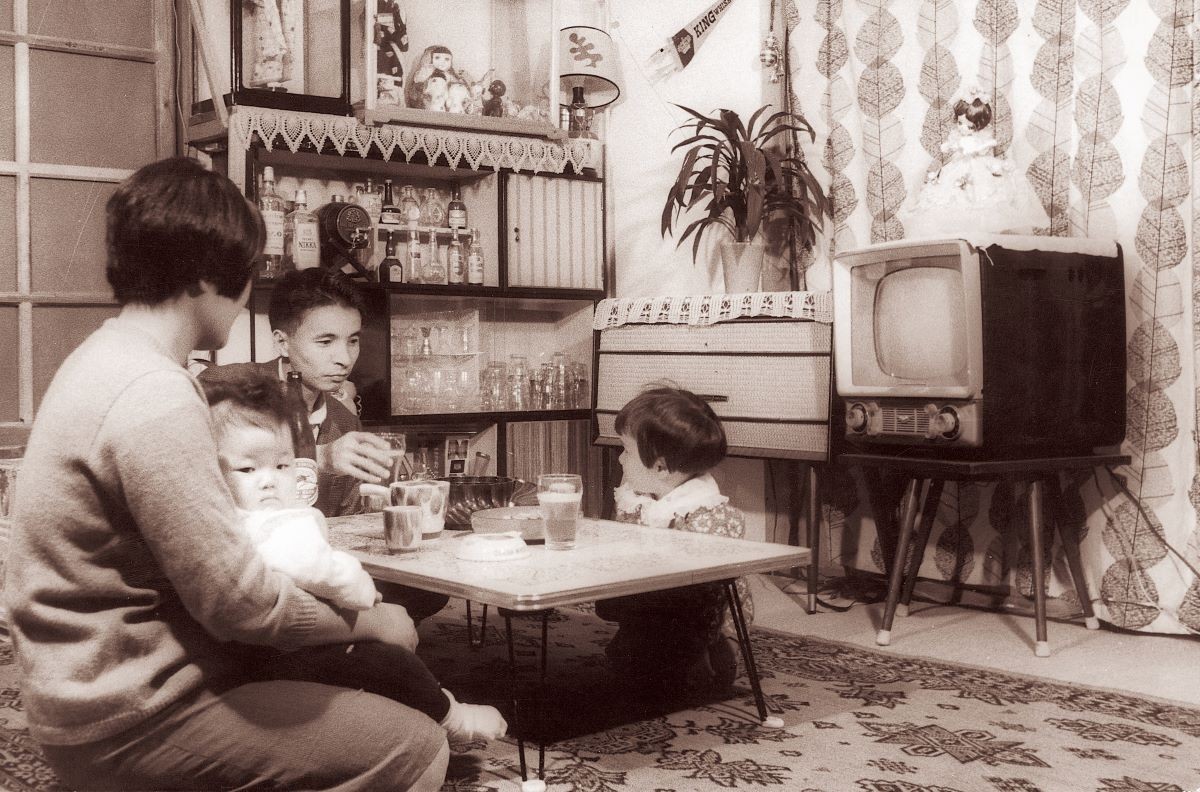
{"x": 742, "y": 263}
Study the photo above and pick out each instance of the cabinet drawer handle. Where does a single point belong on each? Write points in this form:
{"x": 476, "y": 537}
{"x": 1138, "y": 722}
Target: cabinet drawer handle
{"x": 712, "y": 397}
{"x": 516, "y": 234}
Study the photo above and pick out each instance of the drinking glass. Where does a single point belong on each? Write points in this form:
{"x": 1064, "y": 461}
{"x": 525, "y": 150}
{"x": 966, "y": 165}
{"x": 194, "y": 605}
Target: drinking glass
{"x": 396, "y": 449}
{"x": 560, "y": 496}
{"x": 402, "y": 528}
{"x": 430, "y": 496}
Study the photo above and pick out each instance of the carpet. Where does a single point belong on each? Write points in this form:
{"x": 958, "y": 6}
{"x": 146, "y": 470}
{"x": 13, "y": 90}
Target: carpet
{"x": 856, "y": 720}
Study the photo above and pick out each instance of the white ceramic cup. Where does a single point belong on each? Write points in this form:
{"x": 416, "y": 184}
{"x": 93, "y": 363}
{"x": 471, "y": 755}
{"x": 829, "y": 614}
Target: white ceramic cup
{"x": 402, "y": 528}
{"x": 428, "y": 494}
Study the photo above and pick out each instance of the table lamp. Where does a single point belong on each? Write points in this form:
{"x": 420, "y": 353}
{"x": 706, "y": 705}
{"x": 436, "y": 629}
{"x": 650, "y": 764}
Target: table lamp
{"x": 587, "y": 75}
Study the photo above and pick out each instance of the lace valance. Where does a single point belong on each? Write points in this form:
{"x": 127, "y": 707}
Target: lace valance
{"x": 457, "y": 148}
{"x": 704, "y": 309}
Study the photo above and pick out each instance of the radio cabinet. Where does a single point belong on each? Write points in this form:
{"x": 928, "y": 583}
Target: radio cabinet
{"x": 767, "y": 379}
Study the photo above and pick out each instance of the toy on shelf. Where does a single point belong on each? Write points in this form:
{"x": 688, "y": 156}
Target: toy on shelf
{"x": 434, "y": 79}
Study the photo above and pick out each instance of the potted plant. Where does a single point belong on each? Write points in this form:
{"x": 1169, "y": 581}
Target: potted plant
{"x": 740, "y": 175}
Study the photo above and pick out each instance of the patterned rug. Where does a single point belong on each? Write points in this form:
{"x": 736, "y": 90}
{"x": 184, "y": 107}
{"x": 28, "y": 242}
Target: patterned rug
{"x": 855, "y": 720}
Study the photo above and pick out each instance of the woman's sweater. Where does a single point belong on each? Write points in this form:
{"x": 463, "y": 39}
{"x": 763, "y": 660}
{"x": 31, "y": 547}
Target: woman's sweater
{"x": 127, "y": 572}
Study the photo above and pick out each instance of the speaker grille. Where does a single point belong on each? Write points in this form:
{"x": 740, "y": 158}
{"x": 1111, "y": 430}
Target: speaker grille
{"x": 904, "y": 421}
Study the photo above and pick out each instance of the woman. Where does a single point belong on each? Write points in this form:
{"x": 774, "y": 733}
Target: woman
{"x": 133, "y": 596}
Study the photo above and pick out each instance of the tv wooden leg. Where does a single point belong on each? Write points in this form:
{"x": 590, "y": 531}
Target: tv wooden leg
{"x": 1042, "y": 646}
{"x": 908, "y": 509}
{"x": 1070, "y": 540}
{"x": 928, "y": 512}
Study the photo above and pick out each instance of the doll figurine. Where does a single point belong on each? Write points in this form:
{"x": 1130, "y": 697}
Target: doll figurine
{"x": 391, "y": 40}
{"x": 494, "y": 105}
{"x": 434, "y": 59}
{"x": 433, "y": 94}
{"x": 974, "y": 190}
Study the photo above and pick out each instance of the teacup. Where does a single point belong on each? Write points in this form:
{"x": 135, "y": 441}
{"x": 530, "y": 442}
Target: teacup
{"x": 430, "y": 495}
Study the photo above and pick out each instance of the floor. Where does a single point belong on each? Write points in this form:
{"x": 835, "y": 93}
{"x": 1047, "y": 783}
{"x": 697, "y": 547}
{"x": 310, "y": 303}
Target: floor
{"x": 1163, "y": 666}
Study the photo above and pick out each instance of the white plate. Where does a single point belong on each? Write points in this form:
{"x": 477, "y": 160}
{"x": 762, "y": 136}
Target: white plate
{"x": 492, "y": 547}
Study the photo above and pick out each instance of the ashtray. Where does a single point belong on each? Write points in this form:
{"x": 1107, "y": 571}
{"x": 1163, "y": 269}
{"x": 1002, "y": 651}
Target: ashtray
{"x": 492, "y": 547}
{"x": 525, "y": 521}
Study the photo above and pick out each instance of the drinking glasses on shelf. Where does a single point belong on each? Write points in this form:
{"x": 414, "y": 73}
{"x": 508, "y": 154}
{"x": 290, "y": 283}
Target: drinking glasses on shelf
{"x": 493, "y": 383}
{"x": 518, "y": 383}
{"x": 581, "y": 396}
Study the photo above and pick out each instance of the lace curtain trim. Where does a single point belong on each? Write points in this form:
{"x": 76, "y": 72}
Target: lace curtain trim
{"x": 348, "y": 136}
{"x": 707, "y": 309}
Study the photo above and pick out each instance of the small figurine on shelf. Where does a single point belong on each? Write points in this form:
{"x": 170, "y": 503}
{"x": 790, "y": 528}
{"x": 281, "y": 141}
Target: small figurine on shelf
{"x": 391, "y": 41}
{"x": 434, "y": 60}
{"x": 974, "y": 190}
{"x": 275, "y": 27}
{"x": 494, "y": 106}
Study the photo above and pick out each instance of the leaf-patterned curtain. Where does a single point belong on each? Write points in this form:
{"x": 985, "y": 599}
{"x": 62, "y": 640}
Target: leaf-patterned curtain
{"x": 1095, "y": 104}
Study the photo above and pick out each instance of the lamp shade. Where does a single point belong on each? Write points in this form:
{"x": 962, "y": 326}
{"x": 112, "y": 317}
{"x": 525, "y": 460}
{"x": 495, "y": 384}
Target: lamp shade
{"x": 587, "y": 59}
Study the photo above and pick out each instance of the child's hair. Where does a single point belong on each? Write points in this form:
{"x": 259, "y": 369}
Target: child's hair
{"x": 676, "y": 425}
{"x": 246, "y": 397}
{"x": 300, "y": 291}
{"x": 977, "y": 111}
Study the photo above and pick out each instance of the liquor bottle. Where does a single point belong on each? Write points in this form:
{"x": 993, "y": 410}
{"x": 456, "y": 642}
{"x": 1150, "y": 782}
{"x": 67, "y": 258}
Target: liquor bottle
{"x": 415, "y": 271}
{"x": 301, "y": 238}
{"x": 273, "y": 209}
{"x": 304, "y": 444}
{"x": 391, "y": 270}
{"x": 475, "y": 259}
{"x": 456, "y": 211}
{"x": 410, "y": 210}
{"x": 369, "y": 199}
{"x": 432, "y": 213}
{"x": 389, "y": 213}
{"x": 435, "y": 270}
{"x": 456, "y": 264}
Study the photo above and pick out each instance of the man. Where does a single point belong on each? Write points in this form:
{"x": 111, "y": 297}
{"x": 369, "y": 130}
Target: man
{"x": 316, "y": 320}
{"x": 133, "y": 597}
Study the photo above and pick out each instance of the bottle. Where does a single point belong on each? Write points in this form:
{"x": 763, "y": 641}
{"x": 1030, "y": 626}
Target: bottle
{"x": 414, "y": 257}
{"x": 369, "y": 199}
{"x": 410, "y": 210}
{"x": 432, "y": 213}
{"x": 391, "y": 270}
{"x": 435, "y": 270}
{"x": 475, "y": 259}
{"x": 304, "y": 444}
{"x": 389, "y": 213}
{"x": 273, "y": 209}
{"x": 456, "y": 265}
{"x": 456, "y": 211}
{"x": 301, "y": 239}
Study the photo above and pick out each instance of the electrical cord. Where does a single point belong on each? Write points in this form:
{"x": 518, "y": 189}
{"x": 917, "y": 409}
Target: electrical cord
{"x": 1117, "y": 480}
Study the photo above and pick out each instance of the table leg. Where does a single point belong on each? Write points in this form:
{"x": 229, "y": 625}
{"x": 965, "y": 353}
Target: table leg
{"x": 909, "y": 514}
{"x": 743, "y": 634}
{"x": 928, "y": 513}
{"x": 1042, "y": 646}
{"x": 1070, "y": 540}
{"x": 539, "y": 784}
{"x": 814, "y": 535}
{"x": 471, "y": 641}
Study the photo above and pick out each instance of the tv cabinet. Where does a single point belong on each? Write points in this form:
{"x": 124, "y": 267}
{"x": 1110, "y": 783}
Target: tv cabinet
{"x": 929, "y": 475}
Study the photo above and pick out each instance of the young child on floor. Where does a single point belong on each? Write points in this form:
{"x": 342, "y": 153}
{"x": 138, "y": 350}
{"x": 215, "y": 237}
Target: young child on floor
{"x": 678, "y": 640}
{"x": 250, "y": 424}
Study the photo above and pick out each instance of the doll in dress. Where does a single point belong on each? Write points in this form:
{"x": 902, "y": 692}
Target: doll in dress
{"x": 974, "y": 191}
{"x": 436, "y": 58}
{"x": 391, "y": 42}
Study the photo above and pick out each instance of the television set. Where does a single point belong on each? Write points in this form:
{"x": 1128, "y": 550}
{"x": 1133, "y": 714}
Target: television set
{"x": 986, "y": 346}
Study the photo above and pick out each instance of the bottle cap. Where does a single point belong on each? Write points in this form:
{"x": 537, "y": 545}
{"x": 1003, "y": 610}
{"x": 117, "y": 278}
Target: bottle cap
{"x": 301, "y": 197}
{"x": 268, "y": 173}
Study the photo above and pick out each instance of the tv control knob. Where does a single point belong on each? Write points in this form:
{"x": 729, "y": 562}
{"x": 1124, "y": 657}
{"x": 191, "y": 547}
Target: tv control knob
{"x": 945, "y": 423}
{"x": 856, "y": 417}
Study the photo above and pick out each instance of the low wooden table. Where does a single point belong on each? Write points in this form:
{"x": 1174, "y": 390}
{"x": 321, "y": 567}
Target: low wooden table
{"x": 610, "y": 559}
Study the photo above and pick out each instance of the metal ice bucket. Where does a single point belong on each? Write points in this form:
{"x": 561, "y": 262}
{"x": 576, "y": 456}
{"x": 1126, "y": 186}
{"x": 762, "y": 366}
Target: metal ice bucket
{"x": 471, "y": 493}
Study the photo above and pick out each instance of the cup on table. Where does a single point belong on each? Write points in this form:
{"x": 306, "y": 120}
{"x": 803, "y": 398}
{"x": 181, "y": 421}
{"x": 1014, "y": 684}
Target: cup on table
{"x": 560, "y": 495}
{"x": 428, "y": 495}
{"x": 396, "y": 443}
{"x": 402, "y": 528}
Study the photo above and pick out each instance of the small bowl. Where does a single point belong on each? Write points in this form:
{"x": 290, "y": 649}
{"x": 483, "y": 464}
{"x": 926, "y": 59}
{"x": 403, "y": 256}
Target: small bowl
{"x": 492, "y": 547}
{"x": 524, "y": 520}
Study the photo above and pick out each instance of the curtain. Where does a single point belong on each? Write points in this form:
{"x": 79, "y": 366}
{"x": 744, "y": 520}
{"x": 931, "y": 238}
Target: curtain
{"x": 1095, "y": 104}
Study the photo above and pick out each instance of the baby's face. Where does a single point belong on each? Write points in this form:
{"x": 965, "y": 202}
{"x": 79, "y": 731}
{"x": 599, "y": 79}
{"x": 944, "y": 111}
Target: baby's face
{"x": 441, "y": 60}
{"x": 257, "y": 464}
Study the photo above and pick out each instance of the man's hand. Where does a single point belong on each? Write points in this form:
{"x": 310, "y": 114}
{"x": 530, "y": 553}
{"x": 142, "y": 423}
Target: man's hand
{"x": 360, "y": 454}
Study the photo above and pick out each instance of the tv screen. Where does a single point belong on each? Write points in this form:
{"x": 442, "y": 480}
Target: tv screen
{"x": 920, "y": 323}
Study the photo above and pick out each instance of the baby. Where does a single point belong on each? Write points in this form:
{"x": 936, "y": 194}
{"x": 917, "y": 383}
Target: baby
{"x": 676, "y": 640}
{"x": 250, "y": 425}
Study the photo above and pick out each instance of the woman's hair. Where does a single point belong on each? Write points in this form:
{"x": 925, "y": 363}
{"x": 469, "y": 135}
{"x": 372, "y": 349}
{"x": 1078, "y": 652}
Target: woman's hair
{"x": 676, "y": 425}
{"x": 977, "y": 111}
{"x": 246, "y": 397}
{"x": 300, "y": 291}
{"x": 173, "y": 224}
